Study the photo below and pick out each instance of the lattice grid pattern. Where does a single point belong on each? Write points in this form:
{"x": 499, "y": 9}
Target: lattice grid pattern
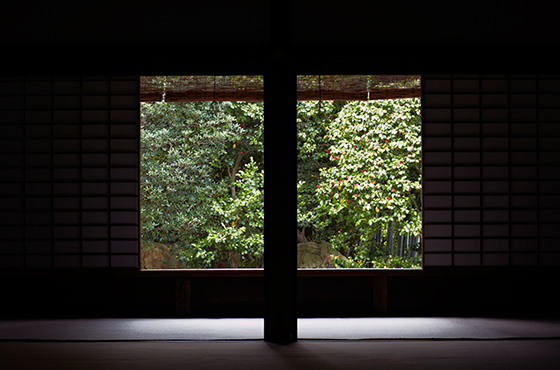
{"x": 69, "y": 157}
{"x": 491, "y": 170}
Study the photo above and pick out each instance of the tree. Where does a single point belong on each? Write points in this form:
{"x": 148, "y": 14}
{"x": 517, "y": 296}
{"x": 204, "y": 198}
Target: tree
{"x": 192, "y": 155}
{"x": 358, "y": 180}
{"x": 312, "y": 120}
{"x": 236, "y": 238}
{"x": 373, "y": 181}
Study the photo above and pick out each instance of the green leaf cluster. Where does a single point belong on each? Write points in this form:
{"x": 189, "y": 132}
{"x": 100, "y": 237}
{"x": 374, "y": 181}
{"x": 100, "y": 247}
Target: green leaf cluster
{"x": 359, "y": 180}
{"x": 313, "y": 118}
{"x": 201, "y": 164}
{"x": 236, "y": 239}
{"x": 368, "y": 160}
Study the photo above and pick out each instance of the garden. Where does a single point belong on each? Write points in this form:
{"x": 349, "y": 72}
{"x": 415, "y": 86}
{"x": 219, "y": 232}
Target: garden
{"x": 358, "y": 190}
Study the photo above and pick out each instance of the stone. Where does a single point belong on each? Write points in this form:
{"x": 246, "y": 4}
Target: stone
{"x": 316, "y": 255}
{"x": 158, "y": 256}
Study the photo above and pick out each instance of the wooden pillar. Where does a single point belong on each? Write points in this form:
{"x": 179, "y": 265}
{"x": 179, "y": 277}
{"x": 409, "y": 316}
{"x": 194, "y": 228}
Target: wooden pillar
{"x": 380, "y": 295}
{"x": 182, "y": 296}
{"x": 280, "y": 181}
{"x": 280, "y": 208}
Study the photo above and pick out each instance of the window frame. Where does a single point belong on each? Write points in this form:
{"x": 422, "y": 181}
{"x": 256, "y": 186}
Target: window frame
{"x": 301, "y": 272}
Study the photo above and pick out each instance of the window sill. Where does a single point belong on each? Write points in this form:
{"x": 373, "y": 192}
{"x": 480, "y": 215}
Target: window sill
{"x": 260, "y": 272}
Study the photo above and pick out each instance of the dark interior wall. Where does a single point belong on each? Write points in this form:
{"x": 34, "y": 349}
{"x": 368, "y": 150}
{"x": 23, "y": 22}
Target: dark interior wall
{"x": 123, "y": 22}
{"x": 172, "y": 22}
{"x": 143, "y": 37}
{"x": 67, "y": 142}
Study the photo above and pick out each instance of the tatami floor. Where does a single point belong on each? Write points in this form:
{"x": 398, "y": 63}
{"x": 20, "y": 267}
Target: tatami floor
{"x": 361, "y": 343}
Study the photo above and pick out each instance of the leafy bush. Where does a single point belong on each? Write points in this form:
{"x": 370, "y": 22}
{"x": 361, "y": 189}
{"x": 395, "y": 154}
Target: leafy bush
{"x": 379, "y": 262}
{"x": 312, "y": 120}
{"x": 236, "y": 239}
{"x": 192, "y": 154}
{"x": 359, "y": 181}
{"x": 371, "y": 185}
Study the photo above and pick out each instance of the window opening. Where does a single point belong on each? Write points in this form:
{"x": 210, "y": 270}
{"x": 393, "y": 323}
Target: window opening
{"x": 359, "y": 171}
{"x": 201, "y": 184}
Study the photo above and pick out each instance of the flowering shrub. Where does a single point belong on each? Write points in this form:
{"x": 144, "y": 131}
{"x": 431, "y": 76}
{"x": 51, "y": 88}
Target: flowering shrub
{"x": 312, "y": 147}
{"x": 375, "y": 176}
{"x": 372, "y": 182}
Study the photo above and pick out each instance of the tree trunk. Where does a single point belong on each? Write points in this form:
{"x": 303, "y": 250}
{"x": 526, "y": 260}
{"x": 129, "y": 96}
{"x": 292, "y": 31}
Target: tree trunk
{"x": 301, "y": 238}
{"x": 390, "y": 238}
{"x": 235, "y": 259}
{"x": 233, "y": 173}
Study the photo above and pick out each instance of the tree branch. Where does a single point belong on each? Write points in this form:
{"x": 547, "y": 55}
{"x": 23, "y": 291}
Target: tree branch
{"x": 415, "y": 204}
{"x": 233, "y": 173}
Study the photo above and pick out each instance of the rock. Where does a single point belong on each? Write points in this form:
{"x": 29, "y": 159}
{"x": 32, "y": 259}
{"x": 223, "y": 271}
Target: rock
{"x": 158, "y": 256}
{"x": 316, "y": 255}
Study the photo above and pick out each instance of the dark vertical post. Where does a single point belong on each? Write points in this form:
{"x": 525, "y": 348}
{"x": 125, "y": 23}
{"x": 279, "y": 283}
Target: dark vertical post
{"x": 182, "y": 296}
{"x": 280, "y": 223}
{"x": 280, "y": 162}
{"x": 380, "y": 295}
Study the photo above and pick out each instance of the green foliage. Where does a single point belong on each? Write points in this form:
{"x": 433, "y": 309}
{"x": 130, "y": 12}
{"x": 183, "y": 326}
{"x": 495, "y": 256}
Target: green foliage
{"x": 379, "y": 262}
{"x": 372, "y": 183}
{"x": 191, "y": 157}
{"x": 236, "y": 239}
{"x": 359, "y": 180}
{"x": 174, "y": 178}
{"x": 312, "y": 120}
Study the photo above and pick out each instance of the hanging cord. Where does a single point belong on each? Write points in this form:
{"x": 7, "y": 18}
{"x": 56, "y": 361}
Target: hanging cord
{"x": 213, "y": 105}
{"x": 320, "y": 97}
{"x": 164, "y": 91}
{"x": 368, "y": 86}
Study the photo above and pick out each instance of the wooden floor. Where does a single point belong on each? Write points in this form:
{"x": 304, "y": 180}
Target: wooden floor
{"x": 248, "y": 355}
{"x": 394, "y": 328}
{"x": 400, "y": 343}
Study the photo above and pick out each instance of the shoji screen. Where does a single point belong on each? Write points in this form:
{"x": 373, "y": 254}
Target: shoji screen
{"x": 69, "y": 165}
{"x": 491, "y": 153}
